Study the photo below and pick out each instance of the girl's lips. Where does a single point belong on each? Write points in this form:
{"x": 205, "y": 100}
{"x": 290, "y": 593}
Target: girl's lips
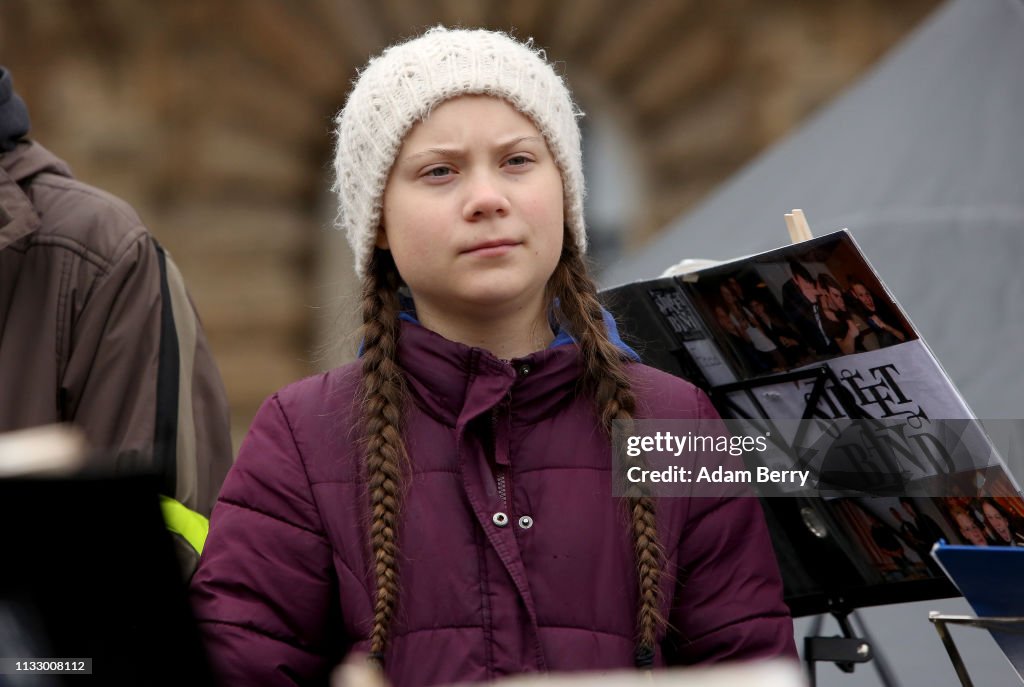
{"x": 490, "y": 250}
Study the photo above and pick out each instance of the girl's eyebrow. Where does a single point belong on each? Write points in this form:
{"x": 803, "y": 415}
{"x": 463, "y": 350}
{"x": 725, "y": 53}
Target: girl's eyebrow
{"x": 457, "y": 152}
{"x": 520, "y": 139}
{"x": 433, "y": 152}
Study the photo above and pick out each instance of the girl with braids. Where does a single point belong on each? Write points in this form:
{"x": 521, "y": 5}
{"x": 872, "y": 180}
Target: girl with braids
{"x": 444, "y": 505}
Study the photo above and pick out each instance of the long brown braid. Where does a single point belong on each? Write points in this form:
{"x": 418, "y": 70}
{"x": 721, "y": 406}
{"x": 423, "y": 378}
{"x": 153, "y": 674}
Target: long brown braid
{"x": 383, "y": 392}
{"x": 383, "y": 396}
{"x": 604, "y": 377}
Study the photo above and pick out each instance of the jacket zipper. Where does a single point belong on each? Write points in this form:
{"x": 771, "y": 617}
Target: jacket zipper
{"x": 501, "y": 489}
{"x": 500, "y": 470}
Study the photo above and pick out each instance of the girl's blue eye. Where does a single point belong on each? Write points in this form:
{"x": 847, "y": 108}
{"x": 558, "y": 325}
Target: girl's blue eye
{"x": 518, "y": 160}
{"x": 439, "y": 171}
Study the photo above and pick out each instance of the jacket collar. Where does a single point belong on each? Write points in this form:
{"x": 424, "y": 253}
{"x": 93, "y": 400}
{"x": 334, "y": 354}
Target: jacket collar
{"x": 562, "y": 336}
{"x": 17, "y": 216}
{"x": 455, "y": 383}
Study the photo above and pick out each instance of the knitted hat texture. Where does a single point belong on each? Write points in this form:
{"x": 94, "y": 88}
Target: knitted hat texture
{"x": 401, "y": 86}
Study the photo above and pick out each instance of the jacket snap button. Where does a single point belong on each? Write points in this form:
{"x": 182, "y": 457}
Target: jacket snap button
{"x": 499, "y": 519}
{"x": 526, "y": 522}
{"x": 524, "y": 369}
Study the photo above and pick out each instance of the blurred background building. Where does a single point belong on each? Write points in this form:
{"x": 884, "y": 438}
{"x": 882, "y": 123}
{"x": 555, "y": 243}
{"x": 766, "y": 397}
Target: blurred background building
{"x": 213, "y": 119}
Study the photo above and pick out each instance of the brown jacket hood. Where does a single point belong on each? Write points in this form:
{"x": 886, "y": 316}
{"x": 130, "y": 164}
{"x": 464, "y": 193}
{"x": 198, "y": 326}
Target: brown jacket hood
{"x": 17, "y": 216}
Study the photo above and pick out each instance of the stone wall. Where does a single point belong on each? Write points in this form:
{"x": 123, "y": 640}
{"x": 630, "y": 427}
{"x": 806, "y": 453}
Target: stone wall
{"x": 213, "y": 119}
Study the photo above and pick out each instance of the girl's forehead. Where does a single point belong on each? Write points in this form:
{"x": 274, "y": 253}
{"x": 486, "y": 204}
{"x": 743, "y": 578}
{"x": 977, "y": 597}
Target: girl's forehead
{"x": 472, "y": 116}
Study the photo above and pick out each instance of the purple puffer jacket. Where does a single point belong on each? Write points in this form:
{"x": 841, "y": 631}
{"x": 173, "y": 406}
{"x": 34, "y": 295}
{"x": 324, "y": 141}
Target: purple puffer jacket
{"x": 284, "y": 589}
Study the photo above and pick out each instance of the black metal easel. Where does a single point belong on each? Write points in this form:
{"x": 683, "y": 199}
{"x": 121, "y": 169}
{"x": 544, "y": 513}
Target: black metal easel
{"x": 848, "y": 650}
{"x": 1003, "y": 624}
{"x": 845, "y": 651}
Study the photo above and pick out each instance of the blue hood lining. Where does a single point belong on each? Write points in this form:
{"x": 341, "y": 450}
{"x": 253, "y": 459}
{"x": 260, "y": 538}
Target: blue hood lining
{"x": 562, "y": 336}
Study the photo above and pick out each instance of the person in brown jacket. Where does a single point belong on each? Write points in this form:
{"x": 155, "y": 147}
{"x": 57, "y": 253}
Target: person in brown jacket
{"x": 97, "y": 330}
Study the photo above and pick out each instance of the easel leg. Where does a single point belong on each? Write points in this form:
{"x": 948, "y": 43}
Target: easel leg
{"x": 954, "y": 654}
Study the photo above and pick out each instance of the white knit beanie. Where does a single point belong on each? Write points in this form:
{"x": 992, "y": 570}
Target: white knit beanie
{"x": 402, "y": 85}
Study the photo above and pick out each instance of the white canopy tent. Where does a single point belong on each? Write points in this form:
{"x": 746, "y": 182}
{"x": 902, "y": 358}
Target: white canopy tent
{"x": 923, "y": 161}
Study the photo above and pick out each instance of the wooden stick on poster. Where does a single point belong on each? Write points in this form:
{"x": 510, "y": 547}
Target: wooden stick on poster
{"x": 794, "y": 231}
{"x": 796, "y": 224}
{"x": 801, "y": 221}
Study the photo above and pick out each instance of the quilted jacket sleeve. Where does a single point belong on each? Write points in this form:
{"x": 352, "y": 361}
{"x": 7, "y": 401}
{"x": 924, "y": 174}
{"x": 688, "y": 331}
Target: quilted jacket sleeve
{"x": 264, "y": 595}
{"x": 728, "y": 600}
{"x": 136, "y": 373}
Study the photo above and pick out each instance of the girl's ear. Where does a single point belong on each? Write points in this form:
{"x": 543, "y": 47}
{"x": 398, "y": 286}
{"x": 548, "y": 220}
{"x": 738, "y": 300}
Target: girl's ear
{"x": 382, "y": 238}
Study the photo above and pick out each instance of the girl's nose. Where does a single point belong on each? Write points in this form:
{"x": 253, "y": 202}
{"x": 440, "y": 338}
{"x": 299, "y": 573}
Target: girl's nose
{"x": 485, "y": 200}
